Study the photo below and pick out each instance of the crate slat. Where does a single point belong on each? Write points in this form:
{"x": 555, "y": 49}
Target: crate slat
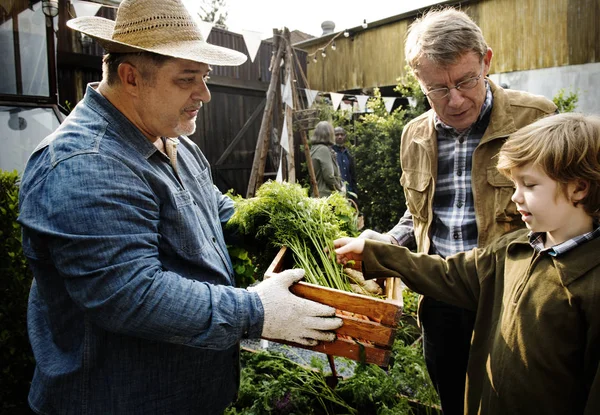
{"x": 349, "y": 349}
{"x": 366, "y": 329}
{"x": 377, "y": 309}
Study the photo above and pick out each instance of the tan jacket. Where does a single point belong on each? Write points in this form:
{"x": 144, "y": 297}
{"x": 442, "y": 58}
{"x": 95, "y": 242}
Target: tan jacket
{"x": 536, "y": 342}
{"x": 495, "y": 213}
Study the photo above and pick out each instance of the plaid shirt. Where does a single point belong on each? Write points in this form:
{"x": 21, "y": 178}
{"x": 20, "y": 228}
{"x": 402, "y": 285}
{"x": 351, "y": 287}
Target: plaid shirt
{"x": 454, "y": 228}
{"x": 537, "y": 239}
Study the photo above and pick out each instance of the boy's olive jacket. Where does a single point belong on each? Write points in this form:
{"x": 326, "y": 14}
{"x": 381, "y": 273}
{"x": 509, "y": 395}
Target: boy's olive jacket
{"x": 536, "y": 343}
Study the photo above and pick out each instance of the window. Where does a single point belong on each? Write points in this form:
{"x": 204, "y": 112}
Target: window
{"x": 23, "y": 128}
{"x": 24, "y": 64}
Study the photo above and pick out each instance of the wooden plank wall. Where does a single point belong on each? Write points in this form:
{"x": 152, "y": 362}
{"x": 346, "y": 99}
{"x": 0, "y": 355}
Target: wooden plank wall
{"x": 524, "y": 35}
{"x": 218, "y": 123}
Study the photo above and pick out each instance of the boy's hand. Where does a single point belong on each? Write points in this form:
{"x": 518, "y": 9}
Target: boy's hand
{"x": 348, "y": 249}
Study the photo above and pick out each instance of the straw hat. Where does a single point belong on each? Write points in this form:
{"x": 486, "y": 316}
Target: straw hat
{"x": 164, "y": 27}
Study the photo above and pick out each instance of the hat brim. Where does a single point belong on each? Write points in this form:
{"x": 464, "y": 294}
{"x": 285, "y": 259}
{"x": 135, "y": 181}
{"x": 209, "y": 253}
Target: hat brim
{"x": 101, "y": 30}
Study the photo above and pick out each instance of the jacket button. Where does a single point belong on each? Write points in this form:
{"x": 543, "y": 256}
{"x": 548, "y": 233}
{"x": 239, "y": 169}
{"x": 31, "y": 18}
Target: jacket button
{"x": 214, "y": 239}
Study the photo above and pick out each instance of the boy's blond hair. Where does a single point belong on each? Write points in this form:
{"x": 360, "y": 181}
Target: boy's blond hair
{"x": 565, "y": 146}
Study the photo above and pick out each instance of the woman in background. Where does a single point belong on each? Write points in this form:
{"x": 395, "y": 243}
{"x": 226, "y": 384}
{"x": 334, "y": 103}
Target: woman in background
{"x": 324, "y": 161}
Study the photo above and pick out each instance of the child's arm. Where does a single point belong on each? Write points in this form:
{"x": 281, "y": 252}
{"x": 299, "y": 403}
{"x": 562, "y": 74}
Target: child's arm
{"x": 455, "y": 280}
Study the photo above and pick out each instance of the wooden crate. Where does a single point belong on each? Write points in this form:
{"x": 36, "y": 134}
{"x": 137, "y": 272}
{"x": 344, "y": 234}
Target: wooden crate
{"x": 370, "y": 323}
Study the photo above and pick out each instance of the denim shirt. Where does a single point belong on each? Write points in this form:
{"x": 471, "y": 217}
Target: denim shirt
{"x": 132, "y": 309}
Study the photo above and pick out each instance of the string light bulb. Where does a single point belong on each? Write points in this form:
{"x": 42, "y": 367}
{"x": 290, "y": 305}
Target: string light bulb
{"x": 323, "y": 54}
{"x": 364, "y": 25}
{"x": 333, "y": 47}
{"x": 346, "y": 33}
{"x": 315, "y": 59}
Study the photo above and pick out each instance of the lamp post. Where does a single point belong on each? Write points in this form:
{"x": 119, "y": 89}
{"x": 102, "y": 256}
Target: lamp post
{"x": 50, "y": 10}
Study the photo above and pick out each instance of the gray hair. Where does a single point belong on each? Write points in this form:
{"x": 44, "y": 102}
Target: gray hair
{"x": 323, "y": 134}
{"x": 443, "y": 36}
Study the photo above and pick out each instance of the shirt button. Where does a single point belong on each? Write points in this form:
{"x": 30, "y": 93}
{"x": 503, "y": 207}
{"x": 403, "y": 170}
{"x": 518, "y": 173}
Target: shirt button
{"x": 456, "y": 235}
{"x": 459, "y": 204}
{"x": 461, "y": 140}
{"x": 459, "y": 173}
{"x": 214, "y": 239}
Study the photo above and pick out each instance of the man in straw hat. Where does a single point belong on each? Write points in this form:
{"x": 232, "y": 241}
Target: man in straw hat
{"x": 133, "y": 309}
{"x": 456, "y": 200}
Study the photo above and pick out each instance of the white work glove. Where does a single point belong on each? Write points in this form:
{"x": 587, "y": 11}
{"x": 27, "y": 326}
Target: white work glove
{"x": 291, "y": 318}
{"x": 376, "y": 236}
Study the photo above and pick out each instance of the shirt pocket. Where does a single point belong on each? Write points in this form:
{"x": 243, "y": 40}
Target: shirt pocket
{"x": 416, "y": 189}
{"x": 505, "y": 209}
{"x": 184, "y": 228}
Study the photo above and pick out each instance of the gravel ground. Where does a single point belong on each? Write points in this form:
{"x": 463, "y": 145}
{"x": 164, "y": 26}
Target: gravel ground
{"x": 344, "y": 367}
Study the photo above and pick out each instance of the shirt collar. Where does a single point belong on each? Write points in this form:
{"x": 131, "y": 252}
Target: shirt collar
{"x": 537, "y": 239}
{"x": 115, "y": 118}
{"x": 485, "y": 108}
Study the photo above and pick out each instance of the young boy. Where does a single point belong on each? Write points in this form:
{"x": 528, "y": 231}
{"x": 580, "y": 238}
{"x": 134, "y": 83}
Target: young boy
{"x": 536, "y": 344}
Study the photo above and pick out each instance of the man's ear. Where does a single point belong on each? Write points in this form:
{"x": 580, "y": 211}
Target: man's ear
{"x": 578, "y": 189}
{"x": 130, "y": 78}
{"x": 487, "y": 61}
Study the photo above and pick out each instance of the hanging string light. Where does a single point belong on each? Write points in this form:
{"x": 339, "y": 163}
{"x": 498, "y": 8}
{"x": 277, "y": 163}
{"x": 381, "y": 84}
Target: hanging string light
{"x": 346, "y": 33}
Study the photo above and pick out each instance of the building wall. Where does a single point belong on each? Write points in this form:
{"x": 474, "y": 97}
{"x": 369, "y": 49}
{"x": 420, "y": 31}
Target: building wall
{"x": 584, "y": 79}
{"x": 525, "y": 35}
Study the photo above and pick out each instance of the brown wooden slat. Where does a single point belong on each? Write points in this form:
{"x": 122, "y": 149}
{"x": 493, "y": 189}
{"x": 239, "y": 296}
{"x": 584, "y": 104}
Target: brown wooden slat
{"x": 364, "y": 329}
{"x": 349, "y": 349}
{"x": 380, "y": 310}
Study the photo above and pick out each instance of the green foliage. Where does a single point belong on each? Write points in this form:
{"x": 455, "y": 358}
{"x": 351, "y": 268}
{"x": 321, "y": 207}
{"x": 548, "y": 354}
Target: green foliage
{"x": 282, "y": 214}
{"x": 566, "y": 101}
{"x": 273, "y": 384}
{"x": 15, "y": 351}
{"x": 243, "y": 267}
{"x": 214, "y": 11}
{"x": 377, "y": 156}
{"x": 411, "y": 301}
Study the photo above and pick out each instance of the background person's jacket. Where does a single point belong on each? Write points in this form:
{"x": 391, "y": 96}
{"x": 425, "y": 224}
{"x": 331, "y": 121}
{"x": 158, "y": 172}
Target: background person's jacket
{"x": 326, "y": 169}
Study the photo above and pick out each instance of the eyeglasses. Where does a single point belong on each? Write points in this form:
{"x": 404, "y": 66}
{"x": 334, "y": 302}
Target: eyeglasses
{"x": 441, "y": 93}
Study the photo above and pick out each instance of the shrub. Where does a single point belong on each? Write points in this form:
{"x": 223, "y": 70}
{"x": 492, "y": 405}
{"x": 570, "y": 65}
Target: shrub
{"x": 15, "y": 351}
{"x": 377, "y": 156}
{"x": 566, "y": 101}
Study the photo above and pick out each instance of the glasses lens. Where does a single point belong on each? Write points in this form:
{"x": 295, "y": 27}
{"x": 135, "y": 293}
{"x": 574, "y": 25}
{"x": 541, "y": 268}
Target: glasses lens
{"x": 469, "y": 83}
{"x": 438, "y": 93}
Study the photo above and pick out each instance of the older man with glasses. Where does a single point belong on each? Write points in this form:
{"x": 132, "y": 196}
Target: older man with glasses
{"x": 456, "y": 200}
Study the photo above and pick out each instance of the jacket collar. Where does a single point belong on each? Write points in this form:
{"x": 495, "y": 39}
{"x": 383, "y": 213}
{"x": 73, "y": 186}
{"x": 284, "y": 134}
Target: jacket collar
{"x": 571, "y": 265}
{"x": 502, "y": 122}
